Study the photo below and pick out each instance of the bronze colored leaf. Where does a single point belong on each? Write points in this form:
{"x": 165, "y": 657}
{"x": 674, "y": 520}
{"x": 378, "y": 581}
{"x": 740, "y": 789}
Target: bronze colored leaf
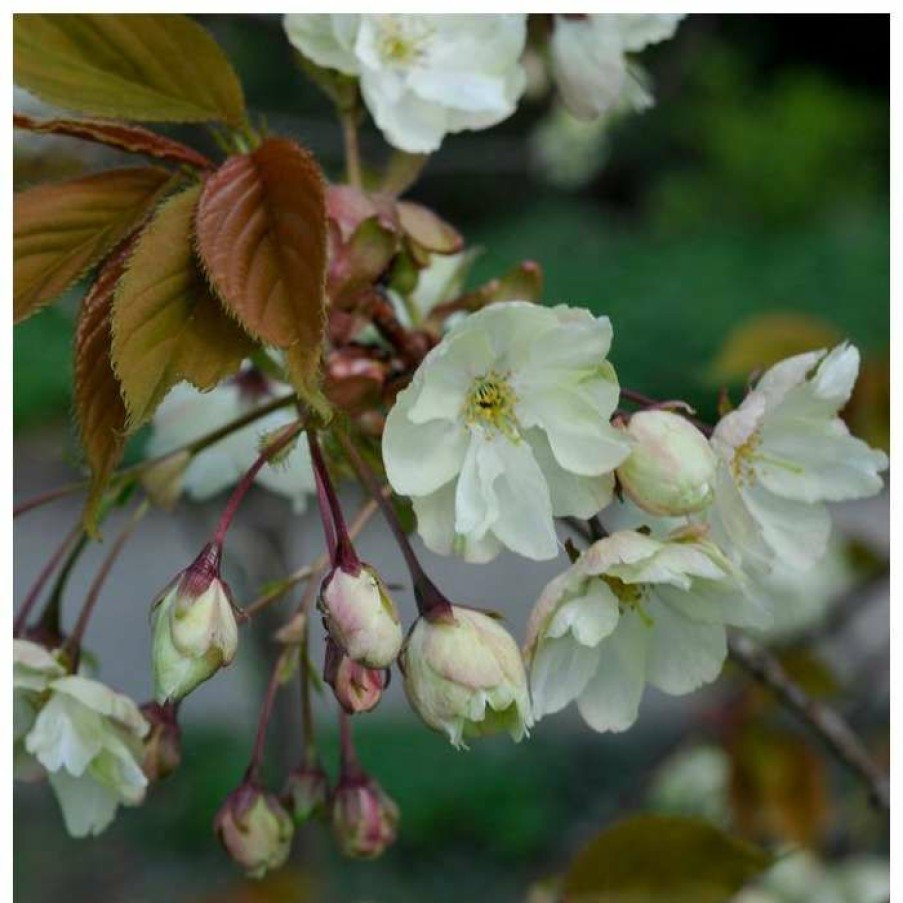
{"x": 167, "y": 325}
{"x": 99, "y": 407}
{"x": 60, "y": 231}
{"x": 151, "y": 67}
{"x": 261, "y": 232}
{"x": 130, "y": 138}
{"x": 658, "y": 857}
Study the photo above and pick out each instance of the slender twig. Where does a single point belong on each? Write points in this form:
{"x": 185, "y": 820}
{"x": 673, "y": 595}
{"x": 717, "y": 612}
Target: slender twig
{"x": 46, "y": 573}
{"x": 308, "y": 729}
{"x": 309, "y": 571}
{"x": 428, "y": 597}
{"x": 352, "y": 148}
{"x": 253, "y": 771}
{"x": 646, "y": 401}
{"x": 272, "y": 449}
{"x": 822, "y": 719}
{"x": 135, "y": 471}
{"x": 78, "y": 632}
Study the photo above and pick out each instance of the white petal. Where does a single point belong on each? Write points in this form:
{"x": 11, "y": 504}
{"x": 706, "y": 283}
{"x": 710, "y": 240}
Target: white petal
{"x": 572, "y": 495}
{"x": 611, "y": 699}
{"x": 640, "y": 30}
{"x": 66, "y": 735}
{"x": 683, "y": 654}
{"x": 436, "y": 525}
{"x": 407, "y": 121}
{"x": 517, "y": 498}
{"x": 813, "y": 462}
{"x": 561, "y": 669}
{"x": 589, "y": 67}
{"x": 778, "y": 380}
{"x": 98, "y": 697}
{"x": 796, "y": 532}
{"x": 328, "y": 40}
{"x": 420, "y": 457}
{"x": 589, "y": 618}
{"x": 88, "y": 807}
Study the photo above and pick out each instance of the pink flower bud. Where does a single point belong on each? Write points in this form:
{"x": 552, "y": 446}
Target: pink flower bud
{"x": 357, "y": 687}
{"x": 163, "y": 743}
{"x": 364, "y": 818}
{"x": 360, "y": 615}
{"x": 306, "y": 793}
{"x": 255, "y": 830}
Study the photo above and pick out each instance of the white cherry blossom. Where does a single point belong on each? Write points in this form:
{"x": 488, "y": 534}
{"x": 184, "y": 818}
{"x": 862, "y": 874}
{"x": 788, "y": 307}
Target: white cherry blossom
{"x": 505, "y": 426}
{"x": 784, "y": 452}
{"x": 85, "y": 736}
{"x": 631, "y": 611}
{"x": 422, "y": 76}
{"x": 187, "y": 414}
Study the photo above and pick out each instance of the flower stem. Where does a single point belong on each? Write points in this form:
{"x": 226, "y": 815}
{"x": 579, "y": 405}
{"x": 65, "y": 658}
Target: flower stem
{"x": 46, "y": 573}
{"x": 252, "y": 774}
{"x": 430, "y": 601}
{"x": 352, "y": 148}
{"x": 348, "y": 761}
{"x": 74, "y": 639}
{"x": 340, "y": 547}
{"x": 129, "y": 474}
{"x": 836, "y": 734}
{"x": 272, "y": 449}
{"x": 50, "y": 618}
{"x": 308, "y": 730}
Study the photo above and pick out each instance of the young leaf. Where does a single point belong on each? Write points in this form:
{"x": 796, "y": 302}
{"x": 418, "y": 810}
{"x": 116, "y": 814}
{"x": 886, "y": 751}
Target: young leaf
{"x": 657, "y": 857}
{"x": 130, "y": 138}
{"x": 428, "y": 230}
{"x": 261, "y": 233}
{"x": 167, "y": 326}
{"x": 150, "y": 67}
{"x": 99, "y": 407}
{"x": 60, "y": 231}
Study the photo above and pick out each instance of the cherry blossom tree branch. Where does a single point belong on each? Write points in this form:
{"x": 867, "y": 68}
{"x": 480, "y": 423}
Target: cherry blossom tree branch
{"x": 831, "y": 728}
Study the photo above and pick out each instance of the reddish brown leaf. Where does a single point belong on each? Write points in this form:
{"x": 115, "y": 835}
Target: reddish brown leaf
{"x": 167, "y": 325}
{"x": 60, "y": 231}
{"x": 99, "y": 406}
{"x": 261, "y": 232}
{"x": 130, "y": 138}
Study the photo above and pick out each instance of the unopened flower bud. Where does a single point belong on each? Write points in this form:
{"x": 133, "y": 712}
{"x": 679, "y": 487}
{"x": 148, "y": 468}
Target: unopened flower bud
{"x": 306, "y": 792}
{"x": 194, "y": 628}
{"x": 364, "y": 818}
{"x": 360, "y": 615}
{"x": 163, "y": 743}
{"x": 464, "y": 675}
{"x": 357, "y": 687}
{"x": 671, "y": 469}
{"x": 255, "y": 830}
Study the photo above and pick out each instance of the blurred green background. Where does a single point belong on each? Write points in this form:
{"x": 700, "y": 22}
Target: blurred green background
{"x": 757, "y": 185}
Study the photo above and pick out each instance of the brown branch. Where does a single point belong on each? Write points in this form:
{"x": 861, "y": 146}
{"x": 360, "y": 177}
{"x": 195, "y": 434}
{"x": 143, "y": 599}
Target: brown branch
{"x": 830, "y": 727}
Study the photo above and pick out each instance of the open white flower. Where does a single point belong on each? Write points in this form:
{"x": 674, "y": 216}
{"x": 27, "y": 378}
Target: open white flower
{"x": 187, "y": 414}
{"x": 84, "y": 735}
{"x": 589, "y": 59}
{"x": 422, "y": 76}
{"x": 634, "y": 610}
{"x": 504, "y": 426}
{"x": 784, "y": 452}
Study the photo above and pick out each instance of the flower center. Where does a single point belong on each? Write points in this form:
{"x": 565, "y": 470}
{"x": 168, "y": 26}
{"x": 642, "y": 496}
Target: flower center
{"x": 490, "y": 404}
{"x": 401, "y": 44}
{"x": 630, "y": 595}
{"x": 743, "y": 463}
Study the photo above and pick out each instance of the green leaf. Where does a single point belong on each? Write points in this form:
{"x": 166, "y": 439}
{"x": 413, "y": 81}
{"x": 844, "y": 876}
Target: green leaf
{"x": 150, "y": 67}
{"x": 130, "y": 138}
{"x": 652, "y": 858}
{"x": 167, "y": 326}
{"x": 261, "y": 234}
{"x": 99, "y": 407}
{"x": 60, "y": 231}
